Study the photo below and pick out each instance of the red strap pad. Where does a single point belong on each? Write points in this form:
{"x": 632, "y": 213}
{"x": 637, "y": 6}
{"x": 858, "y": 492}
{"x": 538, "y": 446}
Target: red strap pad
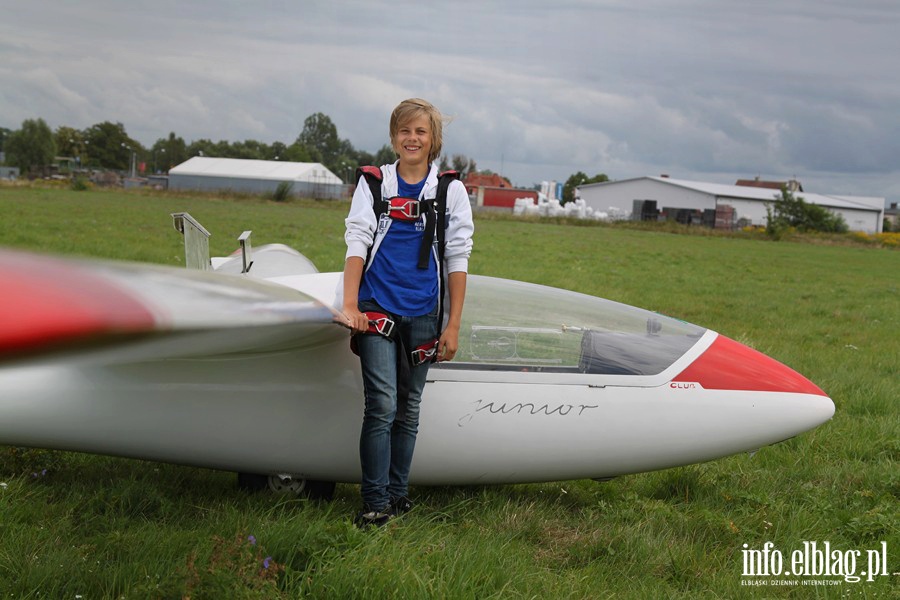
{"x": 370, "y": 171}
{"x": 380, "y": 323}
{"x": 427, "y": 352}
{"x": 405, "y": 209}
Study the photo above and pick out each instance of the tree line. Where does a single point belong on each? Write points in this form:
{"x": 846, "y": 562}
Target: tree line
{"x": 107, "y": 146}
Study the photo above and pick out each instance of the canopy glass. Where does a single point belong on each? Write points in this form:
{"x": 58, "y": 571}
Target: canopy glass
{"x": 512, "y": 325}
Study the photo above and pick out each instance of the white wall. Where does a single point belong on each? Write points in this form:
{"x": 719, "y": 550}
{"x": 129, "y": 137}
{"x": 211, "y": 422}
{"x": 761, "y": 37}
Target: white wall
{"x": 621, "y": 195}
{"x": 859, "y": 220}
{"x": 754, "y": 210}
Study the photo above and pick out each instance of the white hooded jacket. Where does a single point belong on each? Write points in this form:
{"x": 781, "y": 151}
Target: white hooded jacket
{"x": 363, "y": 230}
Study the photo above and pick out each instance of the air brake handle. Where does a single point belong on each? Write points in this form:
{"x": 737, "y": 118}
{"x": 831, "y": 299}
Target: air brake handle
{"x": 246, "y": 258}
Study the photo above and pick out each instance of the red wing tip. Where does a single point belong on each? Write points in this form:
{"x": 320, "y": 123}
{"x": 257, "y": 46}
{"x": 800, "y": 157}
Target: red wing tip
{"x": 47, "y": 302}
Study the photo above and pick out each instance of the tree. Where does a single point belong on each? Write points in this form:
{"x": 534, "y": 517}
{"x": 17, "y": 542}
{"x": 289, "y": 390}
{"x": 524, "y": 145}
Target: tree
{"x": 320, "y": 134}
{"x": 167, "y": 153}
{"x": 32, "y": 147}
{"x": 470, "y": 168}
{"x": 298, "y": 152}
{"x": 386, "y": 156}
{"x": 203, "y": 147}
{"x": 366, "y": 158}
{"x": 247, "y": 149}
{"x": 461, "y": 163}
{"x": 579, "y": 179}
{"x": 347, "y": 160}
{"x": 4, "y": 134}
{"x": 789, "y": 211}
{"x": 109, "y": 147}
{"x": 70, "y": 142}
{"x": 277, "y": 151}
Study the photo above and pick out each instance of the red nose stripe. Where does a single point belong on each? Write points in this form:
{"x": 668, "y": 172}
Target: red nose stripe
{"x": 45, "y": 302}
{"x": 729, "y": 365}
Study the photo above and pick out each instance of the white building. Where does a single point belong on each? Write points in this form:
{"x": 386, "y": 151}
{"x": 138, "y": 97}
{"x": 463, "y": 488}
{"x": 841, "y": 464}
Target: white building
{"x": 310, "y": 180}
{"x": 749, "y": 203}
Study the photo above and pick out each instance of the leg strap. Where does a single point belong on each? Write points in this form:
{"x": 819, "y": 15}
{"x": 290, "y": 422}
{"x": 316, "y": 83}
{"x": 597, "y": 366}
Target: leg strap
{"x": 383, "y": 325}
{"x": 427, "y": 352}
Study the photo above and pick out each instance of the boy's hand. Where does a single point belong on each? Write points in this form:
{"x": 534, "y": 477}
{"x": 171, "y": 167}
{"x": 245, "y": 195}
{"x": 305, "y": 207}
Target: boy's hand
{"x": 353, "y": 320}
{"x": 448, "y": 344}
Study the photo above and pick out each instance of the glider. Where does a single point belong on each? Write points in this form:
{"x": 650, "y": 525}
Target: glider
{"x": 238, "y": 365}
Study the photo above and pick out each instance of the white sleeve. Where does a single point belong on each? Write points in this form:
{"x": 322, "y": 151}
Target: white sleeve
{"x": 460, "y": 228}
{"x": 360, "y": 222}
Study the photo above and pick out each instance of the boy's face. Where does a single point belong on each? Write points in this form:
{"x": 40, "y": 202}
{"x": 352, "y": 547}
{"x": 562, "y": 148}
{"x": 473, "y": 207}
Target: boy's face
{"x": 413, "y": 141}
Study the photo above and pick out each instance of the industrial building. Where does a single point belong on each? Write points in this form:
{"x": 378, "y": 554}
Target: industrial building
{"x": 717, "y": 205}
{"x": 495, "y": 191}
{"x": 9, "y": 172}
{"x": 892, "y": 216}
{"x": 308, "y": 180}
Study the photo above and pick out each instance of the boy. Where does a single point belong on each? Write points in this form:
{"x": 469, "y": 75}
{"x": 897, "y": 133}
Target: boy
{"x": 393, "y": 282}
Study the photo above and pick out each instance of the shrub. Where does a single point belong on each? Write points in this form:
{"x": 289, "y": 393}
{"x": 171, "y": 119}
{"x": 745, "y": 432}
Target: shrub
{"x": 283, "y": 191}
{"x": 79, "y": 184}
{"x": 789, "y": 211}
{"x": 889, "y": 239}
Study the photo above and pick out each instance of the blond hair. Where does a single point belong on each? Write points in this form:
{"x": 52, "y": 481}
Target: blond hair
{"x": 415, "y": 107}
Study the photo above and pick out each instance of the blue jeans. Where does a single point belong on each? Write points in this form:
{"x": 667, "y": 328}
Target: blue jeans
{"x": 388, "y": 436}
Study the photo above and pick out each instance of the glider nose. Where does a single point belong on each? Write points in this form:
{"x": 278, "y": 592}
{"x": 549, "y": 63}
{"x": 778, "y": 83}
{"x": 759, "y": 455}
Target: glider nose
{"x": 730, "y": 365}
{"x": 821, "y": 411}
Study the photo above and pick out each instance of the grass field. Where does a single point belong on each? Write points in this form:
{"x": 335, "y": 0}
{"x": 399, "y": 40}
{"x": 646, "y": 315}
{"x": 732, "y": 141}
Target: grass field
{"x": 79, "y": 526}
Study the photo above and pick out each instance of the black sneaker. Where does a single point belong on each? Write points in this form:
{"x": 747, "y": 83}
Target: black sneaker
{"x": 400, "y": 506}
{"x": 372, "y": 518}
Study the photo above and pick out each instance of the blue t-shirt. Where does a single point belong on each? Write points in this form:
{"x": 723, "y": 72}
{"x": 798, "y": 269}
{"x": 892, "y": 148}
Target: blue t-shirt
{"x": 394, "y": 279}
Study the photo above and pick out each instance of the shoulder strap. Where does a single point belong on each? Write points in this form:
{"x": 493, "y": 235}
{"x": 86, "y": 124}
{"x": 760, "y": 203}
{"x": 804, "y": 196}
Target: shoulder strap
{"x": 373, "y": 178}
{"x": 440, "y": 208}
{"x": 444, "y": 181}
{"x": 434, "y": 228}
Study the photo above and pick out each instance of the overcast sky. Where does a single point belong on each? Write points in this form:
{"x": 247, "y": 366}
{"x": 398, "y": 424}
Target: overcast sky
{"x": 712, "y": 90}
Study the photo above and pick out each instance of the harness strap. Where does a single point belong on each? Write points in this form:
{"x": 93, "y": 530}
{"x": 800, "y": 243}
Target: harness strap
{"x": 384, "y": 325}
{"x": 427, "y": 352}
{"x": 444, "y": 180}
{"x": 407, "y": 209}
{"x": 440, "y": 209}
{"x": 435, "y": 231}
{"x": 435, "y": 221}
{"x": 373, "y": 178}
{"x": 379, "y": 324}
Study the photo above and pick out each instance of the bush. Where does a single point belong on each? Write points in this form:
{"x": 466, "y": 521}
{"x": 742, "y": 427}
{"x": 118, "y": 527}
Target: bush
{"x": 790, "y": 212}
{"x": 79, "y": 184}
{"x": 283, "y": 191}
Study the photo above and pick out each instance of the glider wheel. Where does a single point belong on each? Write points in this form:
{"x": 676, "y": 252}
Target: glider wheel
{"x": 306, "y": 488}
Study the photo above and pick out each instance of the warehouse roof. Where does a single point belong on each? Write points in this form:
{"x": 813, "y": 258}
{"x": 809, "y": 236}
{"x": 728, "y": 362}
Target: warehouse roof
{"x": 722, "y": 190}
{"x": 277, "y": 170}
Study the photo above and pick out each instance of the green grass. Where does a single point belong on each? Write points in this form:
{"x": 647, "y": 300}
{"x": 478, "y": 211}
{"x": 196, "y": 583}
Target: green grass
{"x": 98, "y": 527}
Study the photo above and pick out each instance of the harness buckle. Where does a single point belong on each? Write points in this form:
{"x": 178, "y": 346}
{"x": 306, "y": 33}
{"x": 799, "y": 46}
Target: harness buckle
{"x": 382, "y": 326}
{"x": 427, "y": 352}
{"x": 408, "y": 208}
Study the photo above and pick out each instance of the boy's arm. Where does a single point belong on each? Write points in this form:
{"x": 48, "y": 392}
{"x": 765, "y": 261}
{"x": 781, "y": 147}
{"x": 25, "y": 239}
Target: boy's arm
{"x": 352, "y": 318}
{"x": 458, "y": 247}
{"x": 449, "y": 342}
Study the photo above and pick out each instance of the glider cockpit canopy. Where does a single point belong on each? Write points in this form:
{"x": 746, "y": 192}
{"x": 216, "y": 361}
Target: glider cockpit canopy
{"x": 517, "y": 326}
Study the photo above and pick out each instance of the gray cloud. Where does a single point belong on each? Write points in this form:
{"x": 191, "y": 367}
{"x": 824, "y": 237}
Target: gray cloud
{"x": 707, "y": 89}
